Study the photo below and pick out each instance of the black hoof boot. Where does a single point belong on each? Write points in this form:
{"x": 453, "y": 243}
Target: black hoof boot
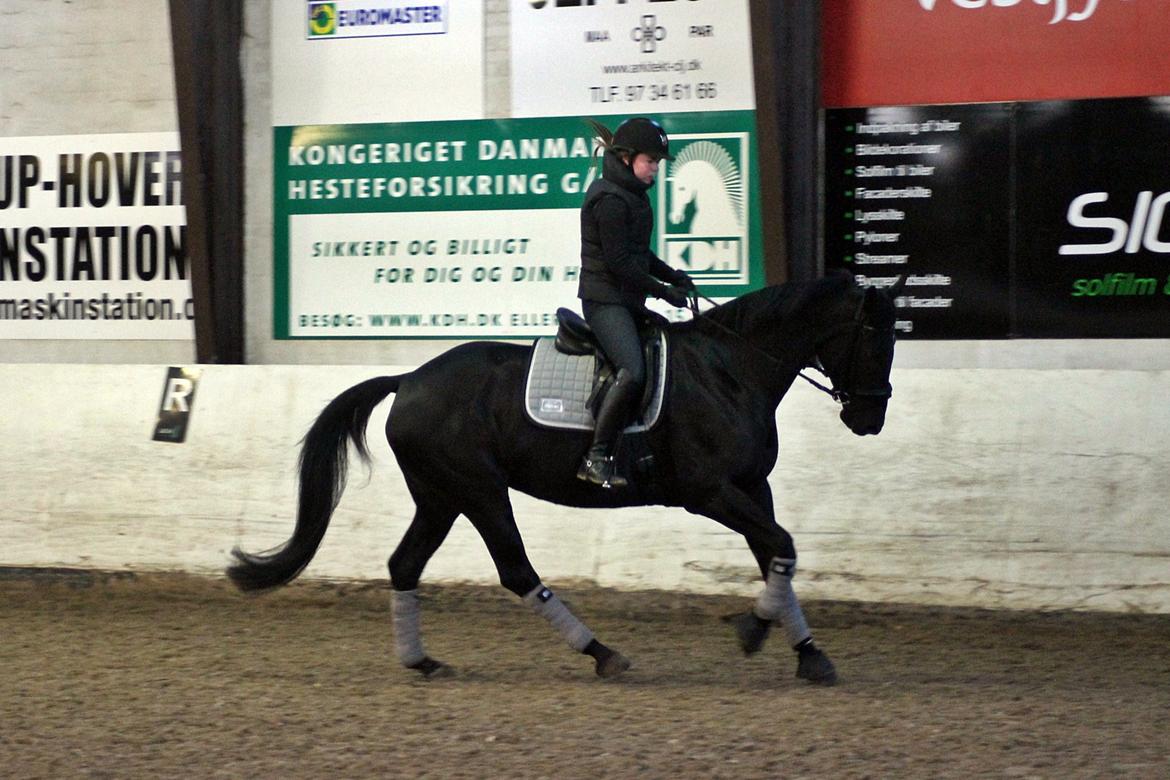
{"x": 599, "y": 468}
{"x": 751, "y": 631}
{"x": 815, "y": 666}
{"x": 432, "y": 669}
{"x": 609, "y": 663}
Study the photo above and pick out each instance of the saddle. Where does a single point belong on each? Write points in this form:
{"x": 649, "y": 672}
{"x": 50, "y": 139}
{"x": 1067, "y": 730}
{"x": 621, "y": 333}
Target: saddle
{"x": 569, "y": 375}
{"x": 575, "y": 337}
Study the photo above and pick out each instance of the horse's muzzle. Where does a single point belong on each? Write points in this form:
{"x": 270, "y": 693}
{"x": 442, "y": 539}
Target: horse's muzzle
{"x": 864, "y": 416}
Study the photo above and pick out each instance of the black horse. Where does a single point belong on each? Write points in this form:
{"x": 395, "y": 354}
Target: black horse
{"x": 462, "y": 439}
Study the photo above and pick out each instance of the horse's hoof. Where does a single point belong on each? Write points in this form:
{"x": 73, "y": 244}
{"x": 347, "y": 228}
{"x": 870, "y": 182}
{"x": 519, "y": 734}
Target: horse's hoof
{"x": 816, "y": 667}
{"x": 612, "y": 665}
{"x": 751, "y": 631}
{"x": 609, "y": 662}
{"x": 432, "y": 669}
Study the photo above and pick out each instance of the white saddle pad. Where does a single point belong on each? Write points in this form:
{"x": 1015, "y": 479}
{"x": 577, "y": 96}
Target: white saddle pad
{"x": 559, "y": 385}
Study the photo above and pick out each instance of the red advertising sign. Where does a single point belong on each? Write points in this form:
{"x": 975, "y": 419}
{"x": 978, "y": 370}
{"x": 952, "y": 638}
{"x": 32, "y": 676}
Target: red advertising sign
{"x": 909, "y": 52}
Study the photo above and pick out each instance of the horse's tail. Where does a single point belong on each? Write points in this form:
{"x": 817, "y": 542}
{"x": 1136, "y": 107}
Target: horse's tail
{"x": 324, "y": 462}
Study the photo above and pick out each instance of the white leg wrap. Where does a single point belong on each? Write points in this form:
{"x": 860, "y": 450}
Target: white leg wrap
{"x": 778, "y": 601}
{"x": 405, "y": 617}
{"x": 545, "y": 603}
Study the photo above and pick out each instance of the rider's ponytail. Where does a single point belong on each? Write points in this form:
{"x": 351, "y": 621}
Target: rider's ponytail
{"x": 603, "y": 140}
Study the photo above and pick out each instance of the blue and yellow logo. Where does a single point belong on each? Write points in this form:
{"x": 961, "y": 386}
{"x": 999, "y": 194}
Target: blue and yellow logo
{"x": 322, "y": 19}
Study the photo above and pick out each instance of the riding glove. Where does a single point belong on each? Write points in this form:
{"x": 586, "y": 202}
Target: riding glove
{"x": 683, "y": 280}
{"x": 674, "y": 295}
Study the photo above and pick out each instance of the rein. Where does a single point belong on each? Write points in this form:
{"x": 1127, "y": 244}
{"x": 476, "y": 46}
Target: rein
{"x": 840, "y": 396}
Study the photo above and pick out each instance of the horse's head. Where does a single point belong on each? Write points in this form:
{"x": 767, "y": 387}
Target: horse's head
{"x": 857, "y": 352}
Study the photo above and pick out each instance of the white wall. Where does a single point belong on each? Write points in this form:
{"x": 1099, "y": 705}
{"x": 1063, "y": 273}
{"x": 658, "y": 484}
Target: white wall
{"x": 92, "y": 66}
{"x": 992, "y": 488}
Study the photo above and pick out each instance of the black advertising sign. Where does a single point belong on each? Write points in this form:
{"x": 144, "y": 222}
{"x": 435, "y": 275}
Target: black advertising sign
{"x": 923, "y": 192}
{"x": 1093, "y": 233}
{"x": 1035, "y": 220}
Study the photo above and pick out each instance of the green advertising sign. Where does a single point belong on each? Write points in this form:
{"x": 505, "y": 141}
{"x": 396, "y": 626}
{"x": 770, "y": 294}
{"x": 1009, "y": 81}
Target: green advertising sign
{"x": 469, "y": 229}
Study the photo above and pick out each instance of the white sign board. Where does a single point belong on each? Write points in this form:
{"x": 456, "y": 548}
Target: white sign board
{"x": 634, "y": 57}
{"x": 354, "y": 61}
{"x": 92, "y": 238}
{"x": 431, "y": 274}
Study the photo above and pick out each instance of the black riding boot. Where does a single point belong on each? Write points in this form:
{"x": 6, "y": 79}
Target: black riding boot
{"x": 598, "y": 465}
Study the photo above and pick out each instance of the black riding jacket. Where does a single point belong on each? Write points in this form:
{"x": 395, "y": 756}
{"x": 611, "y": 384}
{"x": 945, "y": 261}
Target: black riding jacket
{"x": 617, "y": 264}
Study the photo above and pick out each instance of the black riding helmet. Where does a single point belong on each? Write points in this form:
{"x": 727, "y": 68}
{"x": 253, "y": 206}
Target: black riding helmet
{"x": 641, "y": 134}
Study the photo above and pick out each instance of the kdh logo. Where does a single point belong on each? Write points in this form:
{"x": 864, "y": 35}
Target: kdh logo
{"x": 703, "y": 207}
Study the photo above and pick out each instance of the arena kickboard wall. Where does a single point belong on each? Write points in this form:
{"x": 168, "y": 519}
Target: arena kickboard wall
{"x": 989, "y": 488}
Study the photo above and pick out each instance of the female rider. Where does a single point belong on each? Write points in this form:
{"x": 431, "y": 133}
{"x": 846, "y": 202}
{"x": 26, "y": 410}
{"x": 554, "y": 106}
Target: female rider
{"x": 618, "y": 272}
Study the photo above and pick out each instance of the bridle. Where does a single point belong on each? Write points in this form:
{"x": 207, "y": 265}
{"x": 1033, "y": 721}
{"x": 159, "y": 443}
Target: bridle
{"x": 844, "y": 397}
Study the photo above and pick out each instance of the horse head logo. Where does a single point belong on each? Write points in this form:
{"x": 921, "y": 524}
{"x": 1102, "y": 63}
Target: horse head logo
{"x": 706, "y": 191}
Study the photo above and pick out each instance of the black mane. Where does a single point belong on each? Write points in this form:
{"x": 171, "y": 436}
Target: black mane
{"x": 776, "y": 303}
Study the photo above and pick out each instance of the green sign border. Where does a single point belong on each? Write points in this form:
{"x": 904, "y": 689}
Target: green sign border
{"x": 452, "y": 149}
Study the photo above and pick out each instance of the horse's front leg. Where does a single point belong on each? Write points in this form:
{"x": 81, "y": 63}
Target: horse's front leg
{"x": 750, "y": 514}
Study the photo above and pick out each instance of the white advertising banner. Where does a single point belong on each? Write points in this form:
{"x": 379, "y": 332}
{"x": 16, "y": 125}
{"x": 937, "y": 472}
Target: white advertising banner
{"x": 92, "y": 238}
{"x": 632, "y": 57}
{"x": 431, "y": 274}
{"x": 353, "y": 61}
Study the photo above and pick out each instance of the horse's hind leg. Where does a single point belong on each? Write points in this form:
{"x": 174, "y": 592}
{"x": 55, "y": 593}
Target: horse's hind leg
{"x": 426, "y": 532}
{"x": 496, "y": 524}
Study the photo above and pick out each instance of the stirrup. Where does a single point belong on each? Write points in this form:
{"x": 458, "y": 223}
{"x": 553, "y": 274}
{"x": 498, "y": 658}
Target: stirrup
{"x": 601, "y": 471}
